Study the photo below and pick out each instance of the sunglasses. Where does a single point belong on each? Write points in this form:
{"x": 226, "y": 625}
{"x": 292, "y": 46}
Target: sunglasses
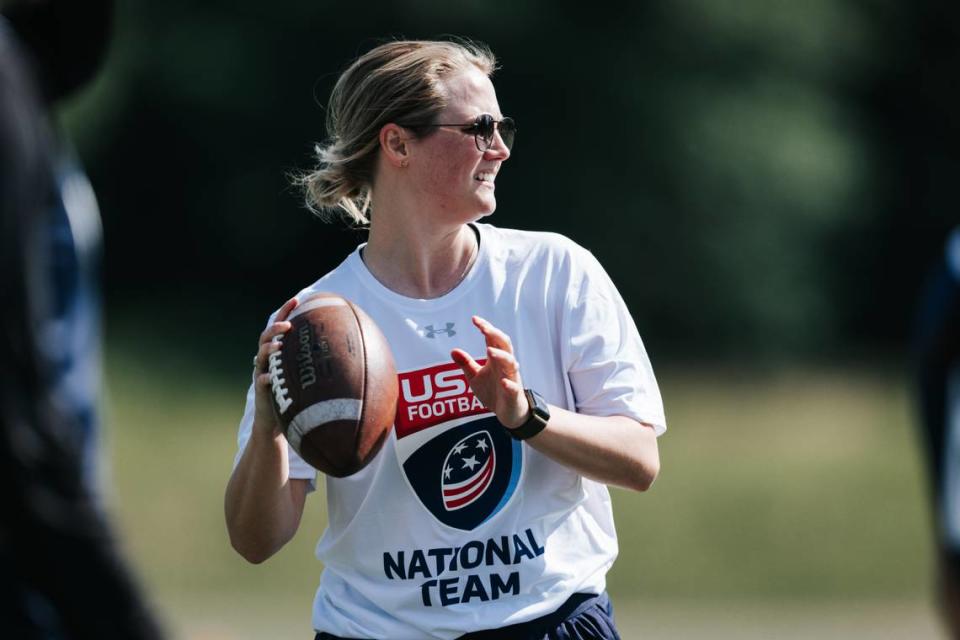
{"x": 483, "y": 130}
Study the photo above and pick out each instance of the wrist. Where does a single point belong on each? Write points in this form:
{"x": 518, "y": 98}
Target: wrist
{"x": 520, "y": 417}
{"x": 266, "y": 431}
{"x": 535, "y": 420}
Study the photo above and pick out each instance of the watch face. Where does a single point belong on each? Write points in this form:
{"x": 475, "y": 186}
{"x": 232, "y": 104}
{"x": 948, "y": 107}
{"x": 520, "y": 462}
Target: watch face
{"x": 539, "y": 407}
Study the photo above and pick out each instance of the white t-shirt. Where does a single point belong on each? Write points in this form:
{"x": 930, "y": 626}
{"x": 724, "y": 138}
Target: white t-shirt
{"x": 454, "y": 526}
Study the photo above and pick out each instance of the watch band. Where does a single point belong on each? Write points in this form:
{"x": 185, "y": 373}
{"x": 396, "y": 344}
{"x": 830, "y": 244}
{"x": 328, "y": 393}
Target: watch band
{"x": 537, "y": 421}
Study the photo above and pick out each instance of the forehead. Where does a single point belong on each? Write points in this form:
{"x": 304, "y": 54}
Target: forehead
{"x": 470, "y": 93}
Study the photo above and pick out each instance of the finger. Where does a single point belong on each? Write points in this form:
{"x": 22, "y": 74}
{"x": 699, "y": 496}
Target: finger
{"x": 467, "y": 363}
{"x": 262, "y": 359}
{"x": 494, "y": 336}
{"x": 263, "y": 354}
{"x": 274, "y": 330}
{"x": 287, "y": 308}
{"x": 504, "y": 361}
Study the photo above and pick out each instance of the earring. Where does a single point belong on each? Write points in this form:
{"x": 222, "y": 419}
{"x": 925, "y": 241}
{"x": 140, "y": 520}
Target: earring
{"x": 404, "y": 163}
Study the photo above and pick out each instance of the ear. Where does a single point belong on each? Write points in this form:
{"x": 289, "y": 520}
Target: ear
{"x": 393, "y": 144}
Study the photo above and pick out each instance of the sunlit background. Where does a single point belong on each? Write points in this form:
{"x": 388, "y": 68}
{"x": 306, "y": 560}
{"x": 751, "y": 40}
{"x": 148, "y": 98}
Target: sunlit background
{"x": 767, "y": 183}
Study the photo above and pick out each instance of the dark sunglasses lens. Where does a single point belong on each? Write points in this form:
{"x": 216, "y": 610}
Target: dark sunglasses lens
{"x": 486, "y": 128}
{"x": 508, "y": 131}
{"x": 483, "y": 128}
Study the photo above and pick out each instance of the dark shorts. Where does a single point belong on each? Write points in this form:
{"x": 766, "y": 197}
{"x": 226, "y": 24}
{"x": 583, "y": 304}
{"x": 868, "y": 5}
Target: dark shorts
{"x": 584, "y": 616}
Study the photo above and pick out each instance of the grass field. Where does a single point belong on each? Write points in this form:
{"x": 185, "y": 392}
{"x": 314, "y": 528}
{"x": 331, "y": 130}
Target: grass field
{"x": 790, "y": 505}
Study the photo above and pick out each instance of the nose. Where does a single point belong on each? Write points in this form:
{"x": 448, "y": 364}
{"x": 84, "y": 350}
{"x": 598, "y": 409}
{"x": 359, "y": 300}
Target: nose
{"x": 498, "y": 149}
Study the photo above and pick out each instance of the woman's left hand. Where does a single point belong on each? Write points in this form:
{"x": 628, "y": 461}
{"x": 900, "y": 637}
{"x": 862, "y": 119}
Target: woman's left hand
{"x": 497, "y": 382}
{"x": 610, "y": 449}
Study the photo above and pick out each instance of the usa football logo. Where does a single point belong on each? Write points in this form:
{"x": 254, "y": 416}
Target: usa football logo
{"x": 457, "y": 458}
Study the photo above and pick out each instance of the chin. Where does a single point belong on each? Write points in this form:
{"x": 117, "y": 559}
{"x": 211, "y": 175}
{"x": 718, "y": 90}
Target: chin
{"x": 476, "y": 215}
{"x": 487, "y": 207}
{"x": 486, "y": 211}
{"x": 473, "y": 210}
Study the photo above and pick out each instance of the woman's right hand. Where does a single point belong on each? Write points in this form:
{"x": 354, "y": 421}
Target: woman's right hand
{"x": 263, "y": 505}
{"x": 265, "y": 416}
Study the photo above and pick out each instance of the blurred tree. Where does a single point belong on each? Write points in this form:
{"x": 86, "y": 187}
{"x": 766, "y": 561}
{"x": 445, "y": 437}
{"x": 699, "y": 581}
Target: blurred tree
{"x": 744, "y": 169}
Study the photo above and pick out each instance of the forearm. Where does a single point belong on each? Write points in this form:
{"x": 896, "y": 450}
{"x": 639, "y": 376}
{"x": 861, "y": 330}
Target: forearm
{"x": 610, "y": 449}
{"x": 614, "y": 450}
{"x": 263, "y": 505}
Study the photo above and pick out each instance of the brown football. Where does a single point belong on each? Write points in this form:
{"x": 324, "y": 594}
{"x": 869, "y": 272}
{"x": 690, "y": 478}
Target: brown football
{"x": 334, "y": 385}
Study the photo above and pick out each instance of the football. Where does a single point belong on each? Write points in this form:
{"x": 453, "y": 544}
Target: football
{"x": 334, "y": 385}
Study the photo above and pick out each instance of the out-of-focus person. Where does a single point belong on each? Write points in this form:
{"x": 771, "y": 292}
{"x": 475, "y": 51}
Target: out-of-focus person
{"x": 938, "y": 359}
{"x": 61, "y": 575}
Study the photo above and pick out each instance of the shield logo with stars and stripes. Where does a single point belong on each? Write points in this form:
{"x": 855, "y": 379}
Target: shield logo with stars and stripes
{"x": 457, "y": 458}
{"x": 468, "y": 470}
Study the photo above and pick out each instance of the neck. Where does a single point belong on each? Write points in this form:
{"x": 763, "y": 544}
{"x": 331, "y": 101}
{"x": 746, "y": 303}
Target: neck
{"x": 416, "y": 259}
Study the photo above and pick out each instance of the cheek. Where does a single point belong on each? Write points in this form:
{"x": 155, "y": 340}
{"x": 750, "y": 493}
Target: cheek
{"x": 450, "y": 176}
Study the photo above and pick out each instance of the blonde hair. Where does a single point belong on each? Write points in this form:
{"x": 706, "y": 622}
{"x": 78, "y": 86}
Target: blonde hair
{"x": 395, "y": 82}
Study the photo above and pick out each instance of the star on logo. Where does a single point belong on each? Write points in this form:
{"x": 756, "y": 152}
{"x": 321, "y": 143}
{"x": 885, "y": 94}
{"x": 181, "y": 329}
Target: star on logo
{"x": 457, "y": 449}
{"x": 446, "y": 472}
{"x": 482, "y": 444}
{"x": 470, "y": 463}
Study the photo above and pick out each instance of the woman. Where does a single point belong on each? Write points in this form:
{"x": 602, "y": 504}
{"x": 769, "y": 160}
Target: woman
{"x": 487, "y": 507}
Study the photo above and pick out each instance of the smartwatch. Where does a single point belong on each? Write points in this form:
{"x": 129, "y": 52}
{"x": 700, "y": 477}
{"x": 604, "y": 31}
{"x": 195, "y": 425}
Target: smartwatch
{"x": 536, "y": 421}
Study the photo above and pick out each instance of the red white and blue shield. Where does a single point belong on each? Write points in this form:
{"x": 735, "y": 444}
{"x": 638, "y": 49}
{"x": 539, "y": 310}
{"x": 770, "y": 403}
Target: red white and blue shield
{"x": 457, "y": 458}
{"x": 468, "y": 470}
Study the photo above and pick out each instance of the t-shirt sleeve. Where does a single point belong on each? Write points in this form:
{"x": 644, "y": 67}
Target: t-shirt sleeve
{"x": 298, "y": 467}
{"x": 604, "y": 357}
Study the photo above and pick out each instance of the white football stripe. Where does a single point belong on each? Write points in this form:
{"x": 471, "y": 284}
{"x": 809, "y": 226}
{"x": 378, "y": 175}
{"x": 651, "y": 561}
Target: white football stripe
{"x": 316, "y": 304}
{"x": 319, "y": 414}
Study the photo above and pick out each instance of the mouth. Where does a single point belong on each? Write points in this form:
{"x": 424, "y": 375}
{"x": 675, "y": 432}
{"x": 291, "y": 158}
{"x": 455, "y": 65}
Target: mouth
{"x": 486, "y": 177}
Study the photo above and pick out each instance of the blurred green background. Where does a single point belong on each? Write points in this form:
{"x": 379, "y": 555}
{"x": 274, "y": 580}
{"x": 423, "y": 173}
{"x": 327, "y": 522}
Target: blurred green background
{"x": 766, "y": 182}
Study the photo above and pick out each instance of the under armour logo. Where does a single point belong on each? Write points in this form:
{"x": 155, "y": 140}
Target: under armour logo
{"x": 430, "y": 332}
